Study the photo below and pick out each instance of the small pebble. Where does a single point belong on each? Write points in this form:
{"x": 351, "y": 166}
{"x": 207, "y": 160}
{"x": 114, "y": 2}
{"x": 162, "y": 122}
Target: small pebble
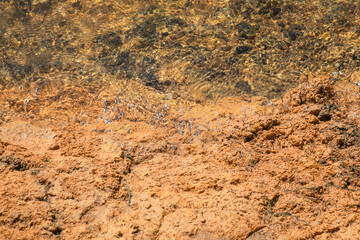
{"x": 54, "y": 146}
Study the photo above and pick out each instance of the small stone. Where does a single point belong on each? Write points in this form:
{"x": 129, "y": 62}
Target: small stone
{"x": 54, "y": 146}
{"x": 313, "y": 119}
{"x": 248, "y": 136}
{"x": 315, "y": 110}
{"x": 271, "y": 135}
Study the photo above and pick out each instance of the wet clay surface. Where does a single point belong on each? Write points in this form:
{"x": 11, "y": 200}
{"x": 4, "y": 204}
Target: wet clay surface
{"x": 234, "y": 169}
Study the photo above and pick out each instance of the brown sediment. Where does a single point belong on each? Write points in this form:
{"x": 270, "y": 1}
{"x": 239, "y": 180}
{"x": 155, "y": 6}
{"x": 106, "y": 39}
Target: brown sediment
{"x": 231, "y": 169}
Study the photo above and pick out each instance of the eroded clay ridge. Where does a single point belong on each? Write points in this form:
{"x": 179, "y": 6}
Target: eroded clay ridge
{"x": 284, "y": 169}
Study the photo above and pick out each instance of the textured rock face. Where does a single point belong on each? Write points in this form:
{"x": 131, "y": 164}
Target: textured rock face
{"x": 225, "y": 170}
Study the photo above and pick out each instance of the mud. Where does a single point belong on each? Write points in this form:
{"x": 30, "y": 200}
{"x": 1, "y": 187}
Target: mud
{"x": 172, "y": 169}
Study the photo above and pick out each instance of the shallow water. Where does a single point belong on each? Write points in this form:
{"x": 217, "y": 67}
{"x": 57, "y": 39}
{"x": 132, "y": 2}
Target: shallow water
{"x": 198, "y": 50}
